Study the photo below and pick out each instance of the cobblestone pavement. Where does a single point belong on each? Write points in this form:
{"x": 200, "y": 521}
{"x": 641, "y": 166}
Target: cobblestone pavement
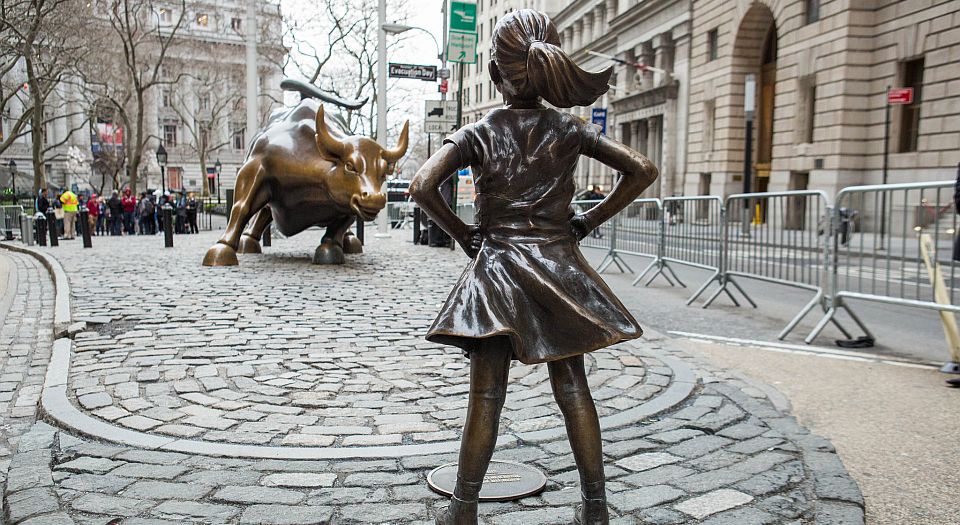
{"x": 281, "y": 353}
{"x": 25, "y": 341}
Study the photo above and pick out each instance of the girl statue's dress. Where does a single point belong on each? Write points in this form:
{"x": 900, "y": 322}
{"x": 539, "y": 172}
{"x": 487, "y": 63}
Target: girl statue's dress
{"x": 529, "y": 281}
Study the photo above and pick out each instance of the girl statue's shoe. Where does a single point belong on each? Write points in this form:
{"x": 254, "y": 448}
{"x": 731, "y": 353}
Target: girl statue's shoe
{"x": 458, "y": 513}
{"x": 592, "y": 512}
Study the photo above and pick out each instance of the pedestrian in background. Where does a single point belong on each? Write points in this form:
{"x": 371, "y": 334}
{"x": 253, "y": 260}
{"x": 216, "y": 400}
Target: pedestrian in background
{"x": 58, "y": 213}
{"x": 129, "y": 203}
{"x": 70, "y": 204}
{"x": 192, "y": 206}
{"x": 181, "y": 209}
{"x": 101, "y": 206}
{"x": 115, "y": 213}
{"x": 42, "y": 204}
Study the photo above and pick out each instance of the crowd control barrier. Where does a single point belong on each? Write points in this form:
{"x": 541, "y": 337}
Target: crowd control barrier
{"x": 693, "y": 236}
{"x": 877, "y": 251}
{"x": 10, "y": 221}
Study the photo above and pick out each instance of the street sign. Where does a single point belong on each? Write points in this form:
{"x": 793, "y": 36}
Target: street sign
{"x": 440, "y": 116}
{"x": 599, "y": 117}
{"x": 900, "y": 96}
{"x": 462, "y": 47}
{"x": 463, "y": 17}
{"x": 428, "y": 73}
{"x": 443, "y": 72}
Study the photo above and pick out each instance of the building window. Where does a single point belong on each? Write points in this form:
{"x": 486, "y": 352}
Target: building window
{"x": 910, "y": 113}
{"x": 203, "y": 101}
{"x": 811, "y": 11}
{"x": 709, "y": 124}
{"x": 165, "y": 15}
{"x": 238, "y": 139}
{"x": 712, "y": 44}
{"x": 165, "y": 98}
{"x": 175, "y": 178}
{"x": 811, "y": 111}
{"x": 170, "y": 135}
{"x": 203, "y": 20}
{"x": 236, "y": 24}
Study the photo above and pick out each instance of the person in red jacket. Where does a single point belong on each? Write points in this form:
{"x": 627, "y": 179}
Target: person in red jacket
{"x": 129, "y": 203}
{"x": 93, "y": 209}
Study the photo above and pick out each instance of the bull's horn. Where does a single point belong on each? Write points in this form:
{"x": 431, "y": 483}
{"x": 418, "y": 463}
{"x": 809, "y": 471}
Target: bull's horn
{"x": 326, "y": 142}
{"x": 393, "y": 155}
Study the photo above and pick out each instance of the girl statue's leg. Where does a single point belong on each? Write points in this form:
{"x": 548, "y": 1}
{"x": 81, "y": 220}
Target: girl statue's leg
{"x": 489, "y": 370}
{"x": 569, "y": 381}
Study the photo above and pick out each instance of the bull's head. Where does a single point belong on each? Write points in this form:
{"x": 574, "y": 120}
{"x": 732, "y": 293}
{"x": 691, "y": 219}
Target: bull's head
{"x": 360, "y": 167}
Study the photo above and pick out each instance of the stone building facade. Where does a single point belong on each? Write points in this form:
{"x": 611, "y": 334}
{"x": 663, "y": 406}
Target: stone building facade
{"x": 822, "y": 69}
{"x": 211, "y": 38}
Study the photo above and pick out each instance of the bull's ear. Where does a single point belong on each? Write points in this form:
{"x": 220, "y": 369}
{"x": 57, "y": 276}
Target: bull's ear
{"x": 330, "y": 148}
{"x": 395, "y": 154}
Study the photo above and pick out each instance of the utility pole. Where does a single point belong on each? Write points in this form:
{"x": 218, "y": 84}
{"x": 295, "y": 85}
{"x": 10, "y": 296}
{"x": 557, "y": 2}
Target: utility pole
{"x": 252, "y": 76}
{"x": 382, "y": 230}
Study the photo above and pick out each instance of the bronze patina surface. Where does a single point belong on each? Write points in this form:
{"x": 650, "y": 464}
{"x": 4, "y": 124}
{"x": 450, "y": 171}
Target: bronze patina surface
{"x": 303, "y": 170}
{"x": 528, "y": 294}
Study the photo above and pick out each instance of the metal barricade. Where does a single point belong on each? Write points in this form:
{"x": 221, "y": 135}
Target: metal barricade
{"x": 693, "y": 236}
{"x": 876, "y": 248}
{"x": 599, "y": 238}
{"x": 779, "y": 238}
{"x": 10, "y": 220}
{"x": 638, "y": 231}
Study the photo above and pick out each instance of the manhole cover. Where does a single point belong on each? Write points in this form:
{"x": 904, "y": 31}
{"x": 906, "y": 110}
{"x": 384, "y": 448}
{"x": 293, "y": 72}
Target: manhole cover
{"x": 505, "y": 481}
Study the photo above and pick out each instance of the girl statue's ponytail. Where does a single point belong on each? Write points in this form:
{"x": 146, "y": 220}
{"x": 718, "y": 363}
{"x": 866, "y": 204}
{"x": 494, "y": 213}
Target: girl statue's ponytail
{"x": 527, "y": 54}
{"x": 561, "y": 82}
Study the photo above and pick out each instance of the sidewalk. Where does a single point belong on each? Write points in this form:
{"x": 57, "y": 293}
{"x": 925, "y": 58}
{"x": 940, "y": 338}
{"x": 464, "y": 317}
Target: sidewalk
{"x": 282, "y": 392}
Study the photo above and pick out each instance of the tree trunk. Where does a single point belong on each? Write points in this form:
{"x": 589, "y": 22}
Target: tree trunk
{"x": 36, "y": 130}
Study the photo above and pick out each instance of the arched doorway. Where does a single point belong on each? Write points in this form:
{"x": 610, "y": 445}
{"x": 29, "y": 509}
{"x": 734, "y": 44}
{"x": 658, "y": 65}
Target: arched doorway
{"x": 755, "y": 52}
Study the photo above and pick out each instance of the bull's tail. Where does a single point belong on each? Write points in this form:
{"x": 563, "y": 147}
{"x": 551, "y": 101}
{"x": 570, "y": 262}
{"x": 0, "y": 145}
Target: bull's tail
{"x": 310, "y": 91}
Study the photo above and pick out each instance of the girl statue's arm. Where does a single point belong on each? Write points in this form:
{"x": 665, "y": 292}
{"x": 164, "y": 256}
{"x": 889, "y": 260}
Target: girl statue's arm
{"x": 425, "y": 190}
{"x": 637, "y": 174}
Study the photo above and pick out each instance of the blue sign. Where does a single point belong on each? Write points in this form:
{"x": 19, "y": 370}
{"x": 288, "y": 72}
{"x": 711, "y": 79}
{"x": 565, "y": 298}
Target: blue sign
{"x": 599, "y": 117}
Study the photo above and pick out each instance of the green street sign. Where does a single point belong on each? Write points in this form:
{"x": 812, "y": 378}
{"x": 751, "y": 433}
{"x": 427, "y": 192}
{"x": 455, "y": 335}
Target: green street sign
{"x": 462, "y": 47}
{"x": 463, "y": 17}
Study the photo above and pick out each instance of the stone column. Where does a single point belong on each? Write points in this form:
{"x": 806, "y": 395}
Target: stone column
{"x": 681, "y": 72}
{"x": 638, "y": 136}
{"x": 610, "y": 6}
{"x": 589, "y": 35}
{"x": 645, "y": 55}
{"x": 663, "y": 56}
{"x": 567, "y": 39}
{"x": 577, "y": 35}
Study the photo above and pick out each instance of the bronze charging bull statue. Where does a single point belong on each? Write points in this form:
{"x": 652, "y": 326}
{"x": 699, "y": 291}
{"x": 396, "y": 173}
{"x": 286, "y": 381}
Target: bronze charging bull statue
{"x": 305, "y": 170}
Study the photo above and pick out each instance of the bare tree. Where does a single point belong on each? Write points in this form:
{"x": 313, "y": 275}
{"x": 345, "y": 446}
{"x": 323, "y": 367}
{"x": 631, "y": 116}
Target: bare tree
{"x": 145, "y": 33}
{"x": 209, "y": 98}
{"x": 41, "y": 43}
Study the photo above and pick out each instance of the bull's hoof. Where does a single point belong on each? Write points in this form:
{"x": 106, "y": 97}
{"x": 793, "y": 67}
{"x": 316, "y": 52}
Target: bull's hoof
{"x": 220, "y": 255}
{"x": 352, "y": 244}
{"x": 328, "y": 253}
{"x": 248, "y": 245}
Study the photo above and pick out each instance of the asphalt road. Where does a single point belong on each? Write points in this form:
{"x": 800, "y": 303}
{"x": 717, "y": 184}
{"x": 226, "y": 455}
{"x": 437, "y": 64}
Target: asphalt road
{"x": 910, "y": 333}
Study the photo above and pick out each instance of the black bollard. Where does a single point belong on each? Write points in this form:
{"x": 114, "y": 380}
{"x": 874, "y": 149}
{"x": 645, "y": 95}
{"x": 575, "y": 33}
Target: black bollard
{"x": 52, "y": 228}
{"x": 85, "y": 227}
{"x": 40, "y": 220}
{"x": 167, "y": 225}
{"x": 360, "y": 230}
{"x": 266, "y": 236}
{"x": 416, "y": 225}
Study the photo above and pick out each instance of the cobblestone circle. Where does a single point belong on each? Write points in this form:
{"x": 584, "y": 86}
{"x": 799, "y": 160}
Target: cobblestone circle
{"x": 164, "y": 334}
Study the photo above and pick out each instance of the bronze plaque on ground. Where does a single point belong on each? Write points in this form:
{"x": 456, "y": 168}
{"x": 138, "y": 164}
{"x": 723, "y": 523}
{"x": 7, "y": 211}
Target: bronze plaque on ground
{"x": 505, "y": 481}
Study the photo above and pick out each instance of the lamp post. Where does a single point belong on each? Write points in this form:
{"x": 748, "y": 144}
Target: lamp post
{"x": 162, "y": 161}
{"x": 218, "y": 166}
{"x": 13, "y": 178}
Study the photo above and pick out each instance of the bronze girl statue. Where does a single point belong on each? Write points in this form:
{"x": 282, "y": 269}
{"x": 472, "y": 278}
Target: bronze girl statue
{"x": 529, "y": 294}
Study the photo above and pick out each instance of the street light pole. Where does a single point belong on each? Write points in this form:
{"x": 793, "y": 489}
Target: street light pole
{"x": 13, "y": 179}
{"x": 749, "y": 94}
{"x": 218, "y": 166}
{"x": 382, "y": 230}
